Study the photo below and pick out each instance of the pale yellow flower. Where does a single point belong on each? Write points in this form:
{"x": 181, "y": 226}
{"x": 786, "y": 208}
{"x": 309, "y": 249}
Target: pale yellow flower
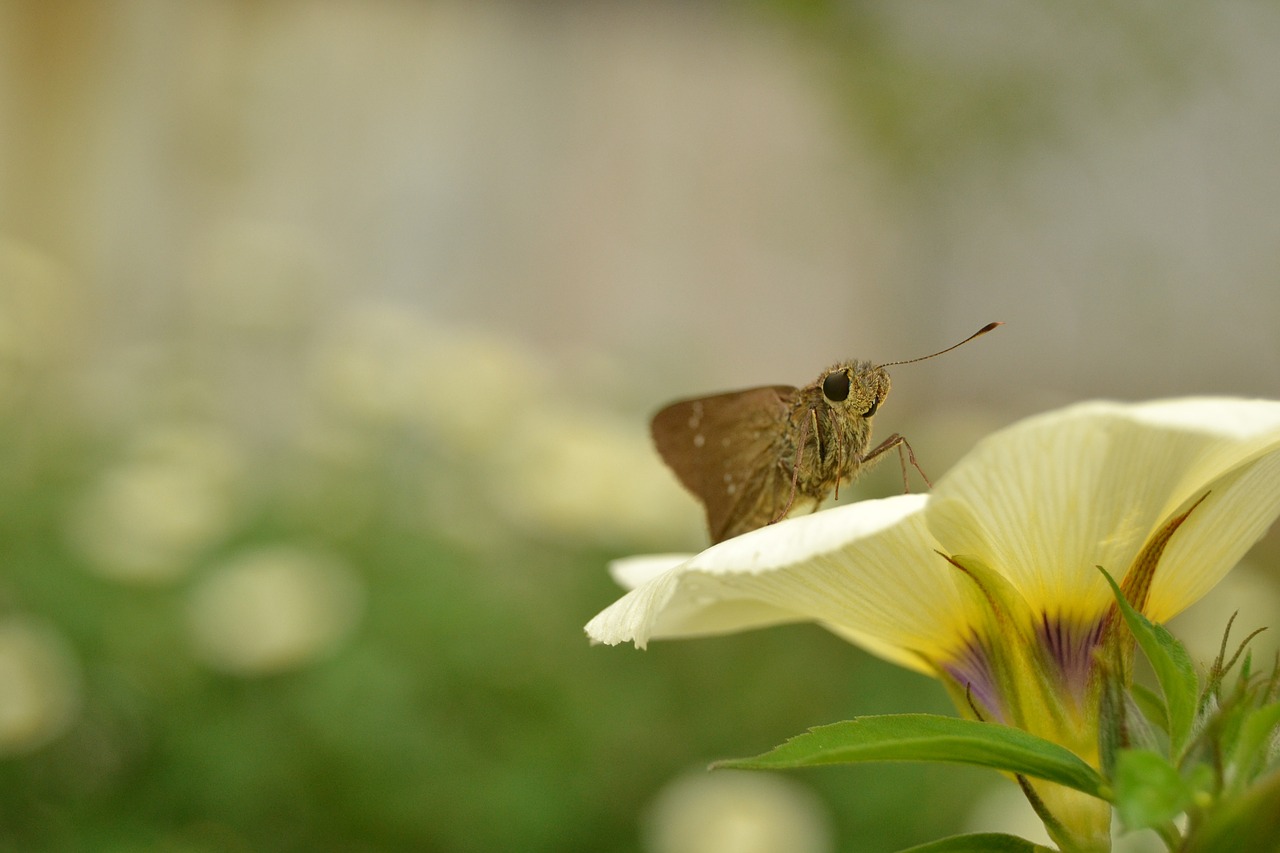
{"x": 990, "y": 583}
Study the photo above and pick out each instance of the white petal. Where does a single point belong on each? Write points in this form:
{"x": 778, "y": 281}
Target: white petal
{"x": 795, "y": 540}
{"x": 675, "y": 605}
{"x": 630, "y": 572}
{"x": 1226, "y": 417}
{"x": 868, "y": 571}
{"x": 1049, "y": 498}
{"x": 1241, "y": 506}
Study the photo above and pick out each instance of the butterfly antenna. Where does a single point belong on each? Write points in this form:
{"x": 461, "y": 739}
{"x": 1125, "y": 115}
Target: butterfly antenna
{"x": 977, "y": 334}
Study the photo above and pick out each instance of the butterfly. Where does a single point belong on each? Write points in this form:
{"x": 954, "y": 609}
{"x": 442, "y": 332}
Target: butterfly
{"x": 754, "y": 456}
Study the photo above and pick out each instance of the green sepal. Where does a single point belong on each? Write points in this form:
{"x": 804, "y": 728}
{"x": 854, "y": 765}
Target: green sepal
{"x": 927, "y": 737}
{"x": 1150, "y": 792}
{"x": 1248, "y": 822}
{"x": 1172, "y": 665}
{"x": 1151, "y": 706}
{"x": 982, "y": 842}
{"x": 1113, "y": 716}
{"x": 1252, "y": 746}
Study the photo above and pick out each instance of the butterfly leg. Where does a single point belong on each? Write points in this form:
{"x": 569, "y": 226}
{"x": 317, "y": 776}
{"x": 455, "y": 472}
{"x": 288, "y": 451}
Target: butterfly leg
{"x": 795, "y": 469}
{"x": 901, "y": 444}
{"x": 839, "y": 467}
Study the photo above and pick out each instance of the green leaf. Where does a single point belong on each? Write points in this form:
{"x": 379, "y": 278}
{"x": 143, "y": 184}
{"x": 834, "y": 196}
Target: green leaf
{"x": 1149, "y": 791}
{"x": 1172, "y": 665}
{"x": 983, "y": 842}
{"x": 926, "y": 737}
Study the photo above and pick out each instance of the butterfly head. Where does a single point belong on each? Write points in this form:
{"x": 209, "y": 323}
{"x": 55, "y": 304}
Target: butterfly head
{"x": 858, "y": 387}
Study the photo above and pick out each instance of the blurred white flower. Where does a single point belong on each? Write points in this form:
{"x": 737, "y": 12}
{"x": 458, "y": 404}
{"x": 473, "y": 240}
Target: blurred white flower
{"x": 475, "y": 386}
{"x": 545, "y": 462}
{"x": 273, "y": 609}
{"x": 150, "y": 516}
{"x": 39, "y": 685}
{"x": 390, "y": 364}
{"x": 732, "y": 812}
{"x": 584, "y": 473}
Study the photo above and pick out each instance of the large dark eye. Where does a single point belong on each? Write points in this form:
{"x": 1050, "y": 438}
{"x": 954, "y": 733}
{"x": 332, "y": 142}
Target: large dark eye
{"x": 836, "y": 386}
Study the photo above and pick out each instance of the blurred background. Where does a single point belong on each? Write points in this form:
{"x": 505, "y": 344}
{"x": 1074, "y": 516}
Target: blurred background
{"x": 329, "y": 333}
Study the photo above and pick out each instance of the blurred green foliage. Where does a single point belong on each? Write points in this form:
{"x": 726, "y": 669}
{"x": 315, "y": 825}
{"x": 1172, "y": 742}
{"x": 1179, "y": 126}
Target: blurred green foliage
{"x": 466, "y": 712}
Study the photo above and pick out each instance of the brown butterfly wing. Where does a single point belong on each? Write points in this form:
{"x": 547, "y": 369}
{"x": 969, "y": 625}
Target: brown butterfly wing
{"x": 725, "y": 449}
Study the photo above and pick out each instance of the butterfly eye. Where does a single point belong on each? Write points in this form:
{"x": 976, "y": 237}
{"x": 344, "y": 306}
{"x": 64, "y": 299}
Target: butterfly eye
{"x": 836, "y": 386}
{"x": 875, "y": 404}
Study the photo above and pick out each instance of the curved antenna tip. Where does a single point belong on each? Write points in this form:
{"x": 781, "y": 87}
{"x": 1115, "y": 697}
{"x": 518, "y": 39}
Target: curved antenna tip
{"x": 979, "y": 333}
